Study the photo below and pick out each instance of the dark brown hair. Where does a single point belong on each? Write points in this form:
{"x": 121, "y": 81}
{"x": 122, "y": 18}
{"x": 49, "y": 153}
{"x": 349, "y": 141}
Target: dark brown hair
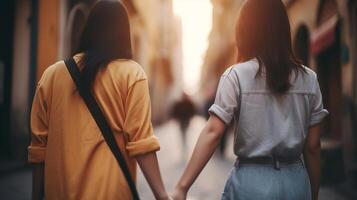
{"x": 105, "y": 37}
{"x": 263, "y": 32}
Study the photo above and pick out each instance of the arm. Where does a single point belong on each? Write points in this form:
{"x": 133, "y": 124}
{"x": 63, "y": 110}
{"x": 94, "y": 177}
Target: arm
{"x": 205, "y": 147}
{"x": 37, "y": 148}
{"x": 312, "y": 150}
{"x": 150, "y": 167}
{"x": 142, "y": 144}
{"x": 38, "y": 181}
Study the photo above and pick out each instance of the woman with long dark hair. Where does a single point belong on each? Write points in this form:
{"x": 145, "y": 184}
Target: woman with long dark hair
{"x": 73, "y": 160}
{"x": 276, "y": 105}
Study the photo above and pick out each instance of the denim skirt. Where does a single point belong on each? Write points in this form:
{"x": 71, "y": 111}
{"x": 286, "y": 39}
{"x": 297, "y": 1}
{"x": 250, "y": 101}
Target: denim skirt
{"x": 257, "y": 181}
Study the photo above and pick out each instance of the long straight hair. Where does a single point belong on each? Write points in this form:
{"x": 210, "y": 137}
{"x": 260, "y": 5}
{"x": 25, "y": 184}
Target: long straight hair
{"x": 263, "y": 32}
{"x": 105, "y": 37}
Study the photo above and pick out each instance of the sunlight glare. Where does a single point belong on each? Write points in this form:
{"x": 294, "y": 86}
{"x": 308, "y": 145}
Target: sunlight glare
{"x": 196, "y": 18}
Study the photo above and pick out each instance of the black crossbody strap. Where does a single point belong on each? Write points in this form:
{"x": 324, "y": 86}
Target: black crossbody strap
{"x": 102, "y": 123}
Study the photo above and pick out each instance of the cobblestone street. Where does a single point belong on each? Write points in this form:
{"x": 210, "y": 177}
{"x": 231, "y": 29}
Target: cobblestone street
{"x": 17, "y": 186}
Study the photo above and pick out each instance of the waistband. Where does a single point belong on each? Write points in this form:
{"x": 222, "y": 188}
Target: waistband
{"x": 274, "y": 161}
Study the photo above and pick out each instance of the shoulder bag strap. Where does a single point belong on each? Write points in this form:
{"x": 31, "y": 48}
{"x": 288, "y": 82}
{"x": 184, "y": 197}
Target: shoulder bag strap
{"x": 102, "y": 123}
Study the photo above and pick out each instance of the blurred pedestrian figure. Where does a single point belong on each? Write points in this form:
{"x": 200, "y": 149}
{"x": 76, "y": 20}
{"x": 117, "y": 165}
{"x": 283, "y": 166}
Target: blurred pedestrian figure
{"x": 70, "y": 149}
{"x": 210, "y": 90}
{"x": 209, "y": 102}
{"x": 183, "y": 111}
{"x": 276, "y": 105}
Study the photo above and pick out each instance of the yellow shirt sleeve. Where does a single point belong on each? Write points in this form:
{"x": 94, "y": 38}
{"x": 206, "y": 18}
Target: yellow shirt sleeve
{"x": 39, "y": 127}
{"x": 137, "y": 124}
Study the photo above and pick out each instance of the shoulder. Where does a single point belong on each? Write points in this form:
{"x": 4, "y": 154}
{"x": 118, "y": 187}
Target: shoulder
{"x": 310, "y": 73}
{"x": 127, "y": 70}
{"x": 304, "y": 80}
{"x": 307, "y": 75}
{"x": 312, "y": 79}
{"x": 245, "y": 69}
{"x": 50, "y": 72}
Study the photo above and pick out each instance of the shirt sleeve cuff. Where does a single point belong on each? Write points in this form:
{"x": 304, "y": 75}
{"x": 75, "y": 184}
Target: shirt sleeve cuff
{"x": 318, "y": 117}
{"x": 36, "y": 154}
{"x": 220, "y": 113}
{"x": 143, "y": 146}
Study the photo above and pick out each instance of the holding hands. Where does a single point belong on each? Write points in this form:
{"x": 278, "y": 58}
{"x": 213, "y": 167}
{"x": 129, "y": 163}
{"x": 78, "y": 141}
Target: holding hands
{"x": 179, "y": 194}
{"x": 204, "y": 149}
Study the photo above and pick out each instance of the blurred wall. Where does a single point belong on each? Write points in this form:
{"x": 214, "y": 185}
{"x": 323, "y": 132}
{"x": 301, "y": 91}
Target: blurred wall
{"x": 335, "y": 65}
{"x": 19, "y": 108}
{"x": 7, "y": 24}
{"x": 48, "y": 34}
{"x": 35, "y": 47}
{"x": 221, "y": 52}
{"x": 157, "y": 47}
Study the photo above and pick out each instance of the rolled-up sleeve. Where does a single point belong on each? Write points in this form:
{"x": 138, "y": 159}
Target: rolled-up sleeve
{"x": 226, "y": 99}
{"x": 39, "y": 127}
{"x": 137, "y": 125}
{"x": 318, "y": 113}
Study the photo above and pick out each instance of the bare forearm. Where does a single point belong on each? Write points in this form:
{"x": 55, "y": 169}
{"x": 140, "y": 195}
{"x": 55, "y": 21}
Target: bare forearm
{"x": 38, "y": 182}
{"x": 150, "y": 167}
{"x": 313, "y": 165}
{"x": 205, "y": 147}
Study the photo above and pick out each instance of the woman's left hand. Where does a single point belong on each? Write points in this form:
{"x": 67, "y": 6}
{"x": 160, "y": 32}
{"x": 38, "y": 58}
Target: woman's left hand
{"x": 179, "y": 195}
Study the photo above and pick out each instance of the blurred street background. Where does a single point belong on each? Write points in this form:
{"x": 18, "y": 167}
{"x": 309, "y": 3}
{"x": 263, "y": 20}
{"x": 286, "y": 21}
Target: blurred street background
{"x": 172, "y": 159}
{"x": 184, "y": 46}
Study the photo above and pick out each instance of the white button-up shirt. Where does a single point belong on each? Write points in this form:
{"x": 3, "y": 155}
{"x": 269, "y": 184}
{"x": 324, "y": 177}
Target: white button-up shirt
{"x": 266, "y": 124}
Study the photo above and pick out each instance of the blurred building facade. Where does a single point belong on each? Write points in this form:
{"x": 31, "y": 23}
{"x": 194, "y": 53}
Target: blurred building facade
{"x": 37, "y": 33}
{"x": 157, "y": 46}
{"x": 325, "y": 39}
{"x": 221, "y": 51}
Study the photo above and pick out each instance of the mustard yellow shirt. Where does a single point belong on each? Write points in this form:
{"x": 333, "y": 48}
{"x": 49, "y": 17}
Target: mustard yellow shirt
{"x": 78, "y": 162}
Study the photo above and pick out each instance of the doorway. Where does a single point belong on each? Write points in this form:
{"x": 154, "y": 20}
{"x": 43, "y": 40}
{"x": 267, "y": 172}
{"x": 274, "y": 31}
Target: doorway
{"x": 302, "y": 45}
{"x": 7, "y": 11}
{"x": 327, "y": 49}
{"x": 353, "y": 26}
{"x": 329, "y": 73}
{"x": 329, "y": 70}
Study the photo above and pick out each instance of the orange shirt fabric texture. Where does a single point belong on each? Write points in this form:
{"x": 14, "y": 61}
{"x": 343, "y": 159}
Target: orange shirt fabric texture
{"x": 65, "y": 137}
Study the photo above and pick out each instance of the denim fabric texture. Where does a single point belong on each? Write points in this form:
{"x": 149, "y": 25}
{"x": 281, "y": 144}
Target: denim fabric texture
{"x": 256, "y": 182}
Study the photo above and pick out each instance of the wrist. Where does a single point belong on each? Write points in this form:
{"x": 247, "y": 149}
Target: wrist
{"x": 163, "y": 196}
{"x": 182, "y": 187}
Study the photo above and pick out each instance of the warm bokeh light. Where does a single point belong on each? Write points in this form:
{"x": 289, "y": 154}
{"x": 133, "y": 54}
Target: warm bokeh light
{"x": 196, "y": 17}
